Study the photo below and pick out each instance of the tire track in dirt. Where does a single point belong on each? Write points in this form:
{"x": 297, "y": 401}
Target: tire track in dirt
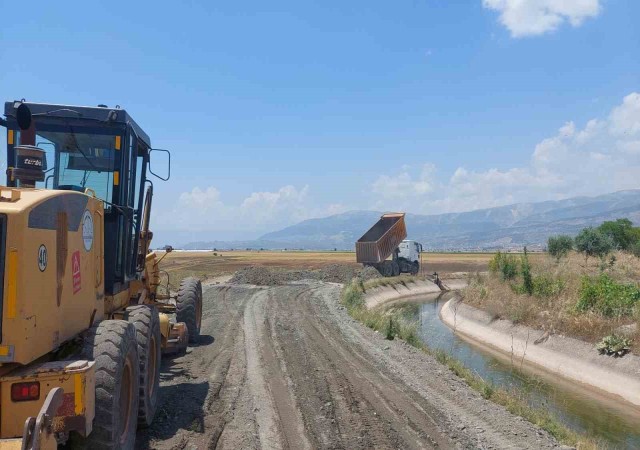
{"x": 408, "y": 424}
{"x": 286, "y": 367}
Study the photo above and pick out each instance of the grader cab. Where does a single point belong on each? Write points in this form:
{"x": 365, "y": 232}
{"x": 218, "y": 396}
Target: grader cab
{"x": 84, "y": 318}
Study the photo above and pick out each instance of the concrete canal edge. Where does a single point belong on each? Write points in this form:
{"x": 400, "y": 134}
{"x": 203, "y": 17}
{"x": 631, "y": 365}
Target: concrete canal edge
{"x": 384, "y": 295}
{"x": 570, "y": 358}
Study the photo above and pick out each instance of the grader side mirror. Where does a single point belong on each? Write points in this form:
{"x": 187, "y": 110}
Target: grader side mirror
{"x": 23, "y": 116}
{"x": 161, "y": 159}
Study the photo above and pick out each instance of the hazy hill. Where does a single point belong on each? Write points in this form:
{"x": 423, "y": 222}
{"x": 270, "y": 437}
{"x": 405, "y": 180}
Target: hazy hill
{"x": 502, "y": 227}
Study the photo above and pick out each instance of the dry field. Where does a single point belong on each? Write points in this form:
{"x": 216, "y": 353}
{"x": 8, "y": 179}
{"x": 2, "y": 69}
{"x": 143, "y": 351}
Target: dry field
{"x": 209, "y": 264}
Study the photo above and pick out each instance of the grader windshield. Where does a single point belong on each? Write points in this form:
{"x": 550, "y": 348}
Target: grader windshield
{"x": 78, "y": 160}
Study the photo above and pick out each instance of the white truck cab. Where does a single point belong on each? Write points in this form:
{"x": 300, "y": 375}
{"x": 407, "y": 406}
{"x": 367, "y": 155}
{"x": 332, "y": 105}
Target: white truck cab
{"x": 410, "y": 250}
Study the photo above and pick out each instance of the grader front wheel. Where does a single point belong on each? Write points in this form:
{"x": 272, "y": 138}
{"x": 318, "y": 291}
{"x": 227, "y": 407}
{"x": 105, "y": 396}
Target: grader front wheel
{"x": 189, "y": 307}
{"x": 112, "y": 345}
{"x": 146, "y": 321}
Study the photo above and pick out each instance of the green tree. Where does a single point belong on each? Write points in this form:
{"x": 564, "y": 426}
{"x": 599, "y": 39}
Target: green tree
{"x": 559, "y": 246}
{"x": 621, "y": 231}
{"x": 592, "y": 242}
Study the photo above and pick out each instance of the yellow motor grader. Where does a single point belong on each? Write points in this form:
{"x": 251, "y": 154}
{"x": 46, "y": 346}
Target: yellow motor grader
{"x": 83, "y": 322}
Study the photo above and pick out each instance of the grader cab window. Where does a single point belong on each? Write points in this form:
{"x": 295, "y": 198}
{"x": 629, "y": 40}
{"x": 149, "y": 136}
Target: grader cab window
{"x": 76, "y": 161}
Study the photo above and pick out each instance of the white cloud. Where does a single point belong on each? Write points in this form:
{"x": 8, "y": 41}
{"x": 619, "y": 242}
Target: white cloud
{"x": 603, "y": 156}
{"x": 625, "y": 119}
{"x": 203, "y": 210}
{"x": 197, "y": 198}
{"x": 395, "y": 186}
{"x": 535, "y": 17}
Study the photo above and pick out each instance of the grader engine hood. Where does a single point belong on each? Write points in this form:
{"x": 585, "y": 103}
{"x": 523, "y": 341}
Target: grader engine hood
{"x": 51, "y": 256}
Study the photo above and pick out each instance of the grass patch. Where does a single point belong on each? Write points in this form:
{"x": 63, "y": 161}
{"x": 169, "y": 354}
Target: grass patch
{"x": 392, "y": 325}
{"x": 515, "y": 404}
{"x": 585, "y": 300}
{"x": 607, "y": 297}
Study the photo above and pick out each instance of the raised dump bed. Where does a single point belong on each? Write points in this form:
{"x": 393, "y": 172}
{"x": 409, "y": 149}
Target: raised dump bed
{"x": 379, "y": 242}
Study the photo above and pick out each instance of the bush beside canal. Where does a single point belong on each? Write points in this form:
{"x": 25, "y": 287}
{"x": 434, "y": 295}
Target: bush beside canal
{"x": 589, "y": 299}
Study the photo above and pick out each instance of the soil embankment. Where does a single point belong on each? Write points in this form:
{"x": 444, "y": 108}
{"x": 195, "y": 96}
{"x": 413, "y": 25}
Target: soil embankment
{"x": 571, "y": 358}
{"x": 285, "y": 366}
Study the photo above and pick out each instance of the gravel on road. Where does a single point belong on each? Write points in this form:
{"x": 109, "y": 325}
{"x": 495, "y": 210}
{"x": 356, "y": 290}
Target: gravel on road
{"x": 285, "y": 366}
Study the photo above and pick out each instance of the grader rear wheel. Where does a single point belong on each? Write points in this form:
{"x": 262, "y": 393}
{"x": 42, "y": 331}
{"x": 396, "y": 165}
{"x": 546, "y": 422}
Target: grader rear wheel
{"x": 146, "y": 321}
{"x": 189, "y": 306}
{"x": 112, "y": 345}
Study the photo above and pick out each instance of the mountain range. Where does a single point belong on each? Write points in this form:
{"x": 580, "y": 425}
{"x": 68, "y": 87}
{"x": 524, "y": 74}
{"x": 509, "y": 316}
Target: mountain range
{"x": 504, "y": 227}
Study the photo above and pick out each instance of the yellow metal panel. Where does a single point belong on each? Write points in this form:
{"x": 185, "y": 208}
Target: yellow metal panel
{"x": 165, "y": 325}
{"x": 78, "y": 383}
{"x": 11, "y": 444}
{"x": 118, "y": 141}
{"x": 10, "y": 137}
{"x": 77, "y": 380}
{"x": 116, "y": 178}
{"x": 12, "y": 283}
{"x": 5, "y": 350}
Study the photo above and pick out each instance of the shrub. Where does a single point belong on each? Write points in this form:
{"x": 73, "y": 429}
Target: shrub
{"x": 545, "y": 286}
{"x": 614, "y": 345}
{"x": 621, "y": 232}
{"x": 504, "y": 264}
{"x": 559, "y": 246}
{"x": 527, "y": 279}
{"x": 607, "y": 297}
{"x": 593, "y": 242}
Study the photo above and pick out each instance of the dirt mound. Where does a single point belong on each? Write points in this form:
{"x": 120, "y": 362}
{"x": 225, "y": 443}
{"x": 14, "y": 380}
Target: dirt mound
{"x": 368, "y": 273}
{"x": 335, "y": 273}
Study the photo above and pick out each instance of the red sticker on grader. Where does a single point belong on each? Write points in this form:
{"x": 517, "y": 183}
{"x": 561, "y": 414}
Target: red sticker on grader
{"x": 75, "y": 270}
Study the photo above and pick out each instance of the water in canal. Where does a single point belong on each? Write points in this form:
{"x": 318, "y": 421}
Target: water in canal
{"x": 616, "y": 425}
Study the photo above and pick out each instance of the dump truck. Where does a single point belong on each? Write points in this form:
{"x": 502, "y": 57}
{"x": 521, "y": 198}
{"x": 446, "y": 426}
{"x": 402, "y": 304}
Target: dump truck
{"x": 84, "y": 314}
{"x": 386, "y": 238}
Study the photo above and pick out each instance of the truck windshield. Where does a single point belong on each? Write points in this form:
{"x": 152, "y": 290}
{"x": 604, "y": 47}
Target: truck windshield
{"x": 77, "y": 160}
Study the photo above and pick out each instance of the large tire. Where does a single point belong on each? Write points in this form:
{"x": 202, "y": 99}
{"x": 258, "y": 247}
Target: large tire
{"x": 112, "y": 345}
{"x": 388, "y": 269}
{"x": 146, "y": 320}
{"x": 415, "y": 268}
{"x": 189, "y": 306}
{"x": 395, "y": 268}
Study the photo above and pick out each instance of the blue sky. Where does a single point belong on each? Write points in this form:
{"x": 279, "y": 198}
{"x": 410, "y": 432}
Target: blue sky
{"x": 280, "y": 112}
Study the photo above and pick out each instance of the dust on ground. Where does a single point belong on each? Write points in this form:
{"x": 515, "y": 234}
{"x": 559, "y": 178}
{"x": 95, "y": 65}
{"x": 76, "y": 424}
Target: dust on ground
{"x": 285, "y": 366}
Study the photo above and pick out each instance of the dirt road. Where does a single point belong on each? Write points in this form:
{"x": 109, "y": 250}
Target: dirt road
{"x": 286, "y": 367}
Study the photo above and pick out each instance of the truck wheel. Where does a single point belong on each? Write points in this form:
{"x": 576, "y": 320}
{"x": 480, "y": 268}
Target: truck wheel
{"x": 395, "y": 268}
{"x": 112, "y": 345}
{"x": 415, "y": 268}
{"x": 189, "y": 306}
{"x": 146, "y": 321}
